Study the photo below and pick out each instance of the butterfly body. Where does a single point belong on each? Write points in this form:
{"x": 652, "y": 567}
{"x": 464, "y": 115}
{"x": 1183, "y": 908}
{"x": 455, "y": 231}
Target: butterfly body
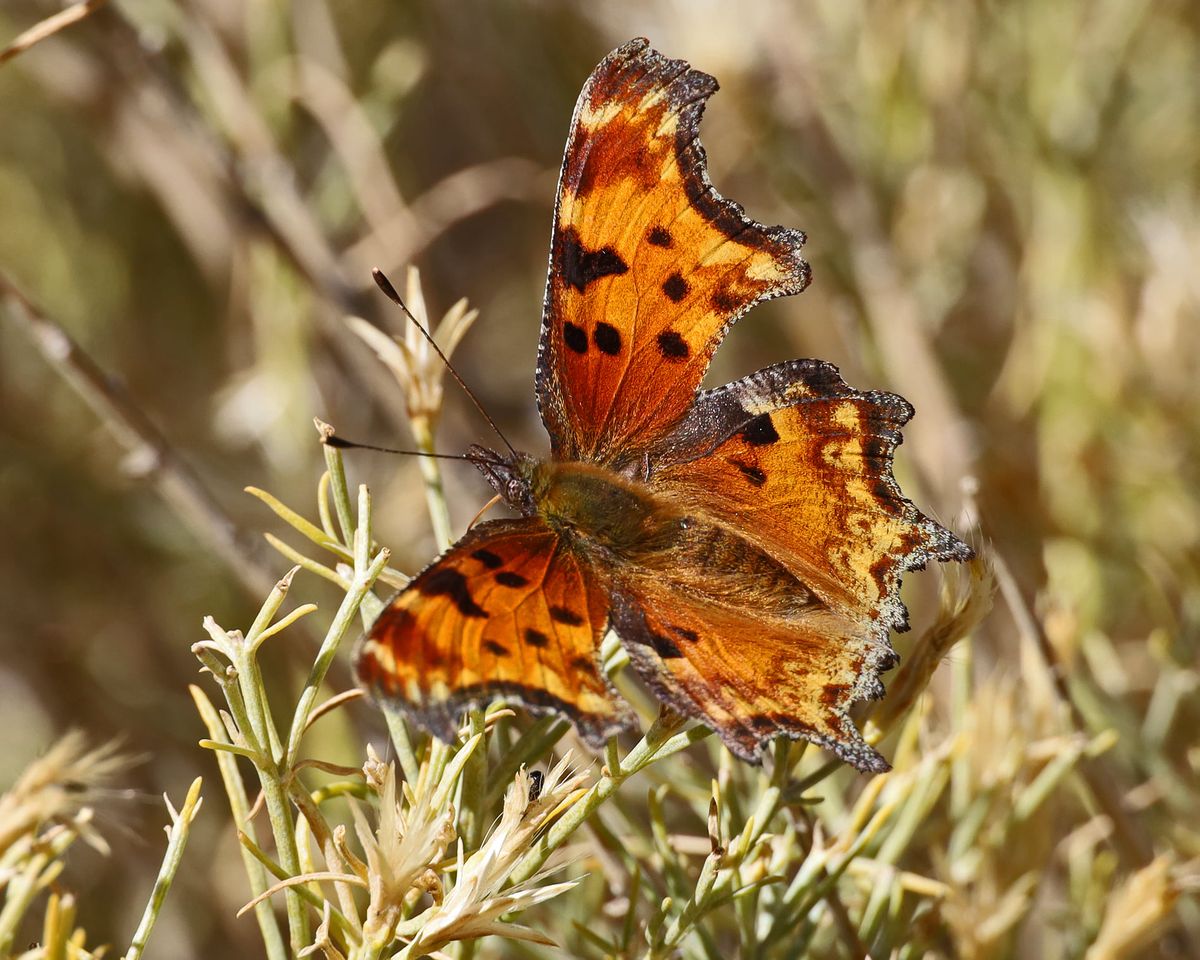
{"x": 745, "y": 543}
{"x": 623, "y": 528}
{"x": 574, "y": 496}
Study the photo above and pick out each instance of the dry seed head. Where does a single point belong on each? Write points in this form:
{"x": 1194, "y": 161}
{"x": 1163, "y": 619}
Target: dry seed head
{"x": 480, "y": 897}
{"x": 375, "y": 771}
{"x": 1137, "y": 910}
{"x": 408, "y": 840}
{"x": 58, "y": 786}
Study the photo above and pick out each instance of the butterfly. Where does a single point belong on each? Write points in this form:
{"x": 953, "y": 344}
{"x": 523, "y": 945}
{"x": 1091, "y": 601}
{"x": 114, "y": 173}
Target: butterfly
{"x": 745, "y": 543}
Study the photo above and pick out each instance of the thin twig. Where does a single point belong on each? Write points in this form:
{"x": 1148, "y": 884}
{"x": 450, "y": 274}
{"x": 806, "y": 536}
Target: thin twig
{"x": 50, "y": 26}
{"x": 459, "y": 195}
{"x": 148, "y": 447}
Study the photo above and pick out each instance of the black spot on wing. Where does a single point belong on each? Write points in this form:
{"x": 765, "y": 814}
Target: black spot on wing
{"x": 659, "y": 237}
{"x": 448, "y": 582}
{"x": 672, "y": 346}
{"x": 535, "y": 638}
{"x": 763, "y": 725}
{"x": 579, "y": 267}
{"x": 726, "y": 303}
{"x": 833, "y": 695}
{"x": 487, "y": 558}
{"x": 675, "y": 287}
{"x": 665, "y": 647}
{"x": 752, "y": 473}
{"x": 496, "y": 648}
{"x": 882, "y": 490}
{"x": 565, "y": 615}
{"x": 760, "y": 431}
{"x": 607, "y": 339}
{"x": 691, "y": 636}
{"x": 583, "y": 664}
{"x": 506, "y": 578}
{"x": 575, "y": 337}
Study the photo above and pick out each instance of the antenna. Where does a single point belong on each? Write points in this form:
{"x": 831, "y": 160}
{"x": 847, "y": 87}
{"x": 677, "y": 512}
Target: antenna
{"x": 352, "y": 445}
{"x": 331, "y": 440}
{"x": 389, "y": 291}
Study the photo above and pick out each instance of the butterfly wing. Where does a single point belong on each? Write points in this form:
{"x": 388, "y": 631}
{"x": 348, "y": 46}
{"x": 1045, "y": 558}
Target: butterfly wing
{"x": 752, "y": 677}
{"x": 804, "y": 462}
{"x": 799, "y": 464}
{"x": 649, "y": 265}
{"x": 507, "y": 610}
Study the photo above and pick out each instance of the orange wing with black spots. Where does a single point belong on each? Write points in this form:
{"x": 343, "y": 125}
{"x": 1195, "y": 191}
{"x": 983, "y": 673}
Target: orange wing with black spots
{"x": 648, "y": 263}
{"x": 750, "y": 539}
{"x": 803, "y": 462}
{"x": 799, "y": 465}
{"x": 751, "y": 675}
{"x": 507, "y": 611}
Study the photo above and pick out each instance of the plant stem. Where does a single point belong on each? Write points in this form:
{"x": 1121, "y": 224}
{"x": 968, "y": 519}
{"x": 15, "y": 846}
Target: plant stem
{"x": 175, "y": 846}
{"x": 431, "y": 473}
{"x": 236, "y": 791}
{"x": 339, "y": 491}
{"x": 363, "y": 580}
{"x": 661, "y": 740}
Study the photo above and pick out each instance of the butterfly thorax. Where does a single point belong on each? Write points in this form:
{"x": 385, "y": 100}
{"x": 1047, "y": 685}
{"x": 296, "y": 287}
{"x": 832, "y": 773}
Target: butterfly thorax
{"x": 606, "y": 509}
{"x": 584, "y": 501}
{"x": 596, "y": 509}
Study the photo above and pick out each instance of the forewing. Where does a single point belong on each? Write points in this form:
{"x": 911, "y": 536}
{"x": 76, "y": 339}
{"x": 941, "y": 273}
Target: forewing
{"x": 648, "y": 264}
{"x": 802, "y": 464}
{"x": 505, "y": 611}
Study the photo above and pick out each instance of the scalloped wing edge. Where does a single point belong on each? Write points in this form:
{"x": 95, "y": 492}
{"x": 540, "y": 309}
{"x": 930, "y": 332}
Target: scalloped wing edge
{"x": 696, "y": 87}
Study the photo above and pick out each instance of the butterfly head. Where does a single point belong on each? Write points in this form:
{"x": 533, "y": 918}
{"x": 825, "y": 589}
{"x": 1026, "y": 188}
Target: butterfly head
{"x": 510, "y": 476}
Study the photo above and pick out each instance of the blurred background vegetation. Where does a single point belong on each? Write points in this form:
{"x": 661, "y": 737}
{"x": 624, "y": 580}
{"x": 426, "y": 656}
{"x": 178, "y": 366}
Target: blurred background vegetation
{"x": 1003, "y": 206}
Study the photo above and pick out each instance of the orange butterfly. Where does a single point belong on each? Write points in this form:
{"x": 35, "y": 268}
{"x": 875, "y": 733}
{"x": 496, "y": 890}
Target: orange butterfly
{"x": 745, "y": 543}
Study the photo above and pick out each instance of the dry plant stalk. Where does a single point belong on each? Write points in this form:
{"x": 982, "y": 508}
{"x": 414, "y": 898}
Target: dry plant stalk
{"x": 51, "y": 805}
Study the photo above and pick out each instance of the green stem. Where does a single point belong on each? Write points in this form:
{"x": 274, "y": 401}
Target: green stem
{"x": 283, "y": 828}
{"x": 402, "y": 741}
{"x": 339, "y": 492}
{"x": 236, "y": 791}
{"x": 474, "y": 786}
{"x": 250, "y": 677}
{"x": 692, "y": 910}
{"x": 21, "y": 889}
{"x": 720, "y": 876}
{"x": 662, "y": 740}
{"x": 431, "y": 473}
{"x": 363, "y": 580}
{"x": 166, "y": 874}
